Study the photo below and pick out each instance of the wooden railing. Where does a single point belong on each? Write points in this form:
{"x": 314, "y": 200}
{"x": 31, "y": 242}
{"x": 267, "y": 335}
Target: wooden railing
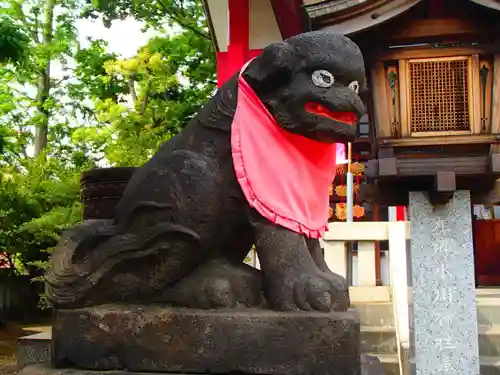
{"x": 366, "y": 234}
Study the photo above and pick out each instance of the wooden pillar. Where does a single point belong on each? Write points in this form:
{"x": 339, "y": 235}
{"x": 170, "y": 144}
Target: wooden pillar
{"x": 239, "y": 33}
{"x": 376, "y": 217}
{"x": 400, "y": 213}
{"x": 239, "y": 40}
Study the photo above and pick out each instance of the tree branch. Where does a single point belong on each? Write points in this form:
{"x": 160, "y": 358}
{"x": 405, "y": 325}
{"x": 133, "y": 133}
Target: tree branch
{"x": 177, "y": 18}
{"x": 131, "y": 88}
{"x": 32, "y": 29}
{"x": 145, "y": 99}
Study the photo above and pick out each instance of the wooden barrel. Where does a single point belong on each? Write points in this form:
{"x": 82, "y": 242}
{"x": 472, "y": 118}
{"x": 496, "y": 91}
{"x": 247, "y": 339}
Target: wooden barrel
{"x": 102, "y": 189}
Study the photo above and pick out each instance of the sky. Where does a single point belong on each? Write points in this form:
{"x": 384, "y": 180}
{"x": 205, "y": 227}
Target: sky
{"x": 124, "y": 37}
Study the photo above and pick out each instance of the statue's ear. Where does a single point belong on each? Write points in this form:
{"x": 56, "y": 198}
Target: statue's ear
{"x": 273, "y": 67}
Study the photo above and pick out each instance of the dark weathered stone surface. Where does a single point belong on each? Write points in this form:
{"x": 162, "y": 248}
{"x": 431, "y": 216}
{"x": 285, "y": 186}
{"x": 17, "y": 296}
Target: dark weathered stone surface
{"x": 34, "y": 349}
{"x": 47, "y": 370}
{"x": 185, "y": 207}
{"x": 156, "y": 339}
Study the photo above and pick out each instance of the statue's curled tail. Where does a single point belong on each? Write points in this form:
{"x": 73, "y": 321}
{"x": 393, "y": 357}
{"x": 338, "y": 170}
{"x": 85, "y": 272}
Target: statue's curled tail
{"x": 88, "y": 251}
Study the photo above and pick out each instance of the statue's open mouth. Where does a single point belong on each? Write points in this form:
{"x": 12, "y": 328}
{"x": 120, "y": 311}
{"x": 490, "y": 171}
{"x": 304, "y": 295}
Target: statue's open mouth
{"x": 348, "y": 118}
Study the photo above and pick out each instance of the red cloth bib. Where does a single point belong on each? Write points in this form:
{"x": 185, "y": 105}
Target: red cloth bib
{"x": 284, "y": 176}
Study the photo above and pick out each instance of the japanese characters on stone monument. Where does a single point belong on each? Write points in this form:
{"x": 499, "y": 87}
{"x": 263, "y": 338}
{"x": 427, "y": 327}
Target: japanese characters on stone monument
{"x": 445, "y": 333}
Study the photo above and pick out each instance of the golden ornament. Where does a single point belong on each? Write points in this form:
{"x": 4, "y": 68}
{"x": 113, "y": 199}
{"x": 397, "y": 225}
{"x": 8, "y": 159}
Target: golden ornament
{"x": 340, "y": 211}
{"x": 358, "y": 211}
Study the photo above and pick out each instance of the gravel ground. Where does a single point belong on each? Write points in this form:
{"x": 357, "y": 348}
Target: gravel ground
{"x": 8, "y": 369}
{"x": 8, "y": 344}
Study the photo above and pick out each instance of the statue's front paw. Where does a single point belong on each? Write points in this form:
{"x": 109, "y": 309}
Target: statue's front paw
{"x": 341, "y": 300}
{"x": 314, "y": 290}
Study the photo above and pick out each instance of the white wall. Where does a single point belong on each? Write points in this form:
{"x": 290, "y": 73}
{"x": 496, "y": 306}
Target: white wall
{"x": 219, "y": 14}
{"x": 264, "y": 29}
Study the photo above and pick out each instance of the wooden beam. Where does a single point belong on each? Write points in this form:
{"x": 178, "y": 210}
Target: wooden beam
{"x": 461, "y": 165}
{"x": 404, "y": 100}
{"x": 386, "y": 152}
{"x": 290, "y": 17}
{"x": 436, "y": 27}
{"x": 495, "y": 118}
{"x": 387, "y": 167}
{"x": 484, "y": 190}
{"x": 435, "y": 141}
{"x": 445, "y": 185}
{"x": 426, "y": 52}
{"x": 380, "y": 100}
{"x": 420, "y": 167}
{"x": 475, "y": 95}
{"x": 486, "y": 94}
{"x": 445, "y": 182}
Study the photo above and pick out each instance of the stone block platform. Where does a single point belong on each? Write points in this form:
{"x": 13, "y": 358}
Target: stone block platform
{"x": 369, "y": 366}
{"x": 34, "y": 349}
{"x": 47, "y": 370}
{"x": 152, "y": 339}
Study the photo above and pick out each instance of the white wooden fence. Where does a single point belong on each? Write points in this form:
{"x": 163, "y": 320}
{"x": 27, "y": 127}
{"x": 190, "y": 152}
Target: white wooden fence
{"x": 366, "y": 233}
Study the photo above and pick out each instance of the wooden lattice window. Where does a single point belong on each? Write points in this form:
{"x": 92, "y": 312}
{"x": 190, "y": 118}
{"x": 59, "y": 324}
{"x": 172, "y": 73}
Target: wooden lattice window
{"x": 439, "y": 96}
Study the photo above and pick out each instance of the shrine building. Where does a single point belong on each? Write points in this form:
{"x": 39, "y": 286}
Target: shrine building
{"x": 433, "y": 104}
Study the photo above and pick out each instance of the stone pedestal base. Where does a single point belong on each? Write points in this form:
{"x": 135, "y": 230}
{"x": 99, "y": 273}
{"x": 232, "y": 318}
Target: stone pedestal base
{"x": 46, "y": 370}
{"x": 158, "y": 339}
{"x": 369, "y": 366}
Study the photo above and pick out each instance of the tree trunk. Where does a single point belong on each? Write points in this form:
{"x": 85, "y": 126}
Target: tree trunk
{"x": 44, "y": 79}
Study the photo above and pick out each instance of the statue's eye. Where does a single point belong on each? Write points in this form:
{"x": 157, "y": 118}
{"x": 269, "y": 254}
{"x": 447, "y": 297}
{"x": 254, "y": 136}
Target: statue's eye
{"x": 323, "y": 78}
{"x": 354, "y": 86}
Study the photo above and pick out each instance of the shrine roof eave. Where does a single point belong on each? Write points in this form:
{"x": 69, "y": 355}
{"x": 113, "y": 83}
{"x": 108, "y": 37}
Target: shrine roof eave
{"x": 493, "y": 4}
{"x": 346, "y": 17}
{"x": 355, "y": 18}
{"x": 210, "y": 25}
{"x": 352, "y": 16}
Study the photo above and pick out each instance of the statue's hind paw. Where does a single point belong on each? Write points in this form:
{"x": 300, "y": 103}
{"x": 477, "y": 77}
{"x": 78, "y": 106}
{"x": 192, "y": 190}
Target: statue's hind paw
{"x": 218, "y": 284}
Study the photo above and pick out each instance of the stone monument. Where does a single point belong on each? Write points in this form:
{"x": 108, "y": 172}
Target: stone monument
{"x": 444, "y": 329}
{"x": 161, "y": 286}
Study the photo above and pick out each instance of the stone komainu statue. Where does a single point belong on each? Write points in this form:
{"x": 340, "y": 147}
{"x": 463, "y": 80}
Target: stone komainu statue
{"x": 253, "y": 167}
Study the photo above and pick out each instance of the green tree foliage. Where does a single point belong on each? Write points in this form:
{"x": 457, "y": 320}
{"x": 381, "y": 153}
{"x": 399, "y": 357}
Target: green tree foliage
{"x": 13, "y": 42}
{"x": 97, "y": 109}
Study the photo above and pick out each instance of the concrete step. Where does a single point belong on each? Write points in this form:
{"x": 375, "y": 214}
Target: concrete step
{"x": 389, "y": 363}
{"x": 489, "y": 341}
{"x": 488, "y": 311}
{"x": 382, "y": 340}
{"x": 378, "y": 314}
{"x": 489, "y": 365}
{"x": 381, "y": 313}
